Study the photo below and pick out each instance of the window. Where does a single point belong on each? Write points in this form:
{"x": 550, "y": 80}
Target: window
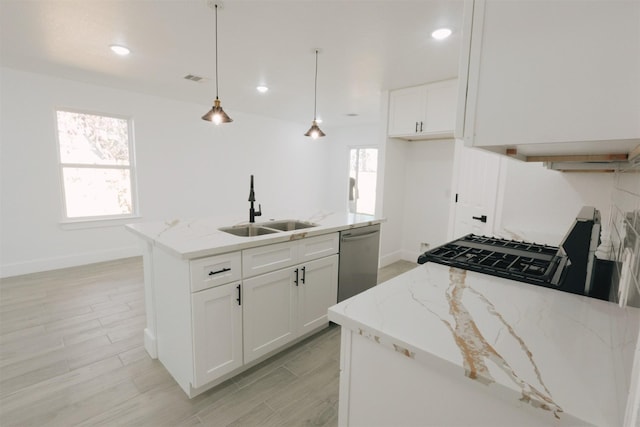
{"x": 97, "y": 168}
{"x": 363, "y": 171}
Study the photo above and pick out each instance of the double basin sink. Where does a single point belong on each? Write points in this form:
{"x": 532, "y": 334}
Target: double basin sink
{"x": 252, "y": 230}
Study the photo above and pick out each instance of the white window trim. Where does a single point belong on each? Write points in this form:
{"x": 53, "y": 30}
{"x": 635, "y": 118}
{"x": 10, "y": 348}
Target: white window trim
{"x": 68, "y": 223}
{"x": 365, "y": 147}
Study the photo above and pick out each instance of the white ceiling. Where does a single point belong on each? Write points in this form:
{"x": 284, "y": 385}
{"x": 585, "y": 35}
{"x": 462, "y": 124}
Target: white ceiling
{"x": 367, "y": 47}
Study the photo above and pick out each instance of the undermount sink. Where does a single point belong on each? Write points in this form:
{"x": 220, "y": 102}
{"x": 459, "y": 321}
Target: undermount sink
{"x": 252, "y": 230}
{"x": 248, "y": 230}
{"x": 288, "y": 225}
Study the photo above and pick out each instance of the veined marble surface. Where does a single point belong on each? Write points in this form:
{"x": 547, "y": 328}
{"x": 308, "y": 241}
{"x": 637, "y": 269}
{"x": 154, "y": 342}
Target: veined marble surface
{"x": 567, "y": 355}
{"x": 196, "y": 238}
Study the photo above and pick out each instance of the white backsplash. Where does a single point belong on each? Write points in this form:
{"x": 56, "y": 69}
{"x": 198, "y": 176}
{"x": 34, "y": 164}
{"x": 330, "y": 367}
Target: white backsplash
{"x": 625, "y": 234}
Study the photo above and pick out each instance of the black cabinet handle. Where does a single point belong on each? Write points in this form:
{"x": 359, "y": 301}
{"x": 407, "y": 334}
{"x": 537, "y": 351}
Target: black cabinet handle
{"x": 296, "y": 280}
{"x": 482, "y": 218}
{"x": 304, "y": 274}
{"x": 211, "y": 273}
{"x": 239, "y": 299}
{"x": 420, "y": 126}
{"x": 416, "y": 127}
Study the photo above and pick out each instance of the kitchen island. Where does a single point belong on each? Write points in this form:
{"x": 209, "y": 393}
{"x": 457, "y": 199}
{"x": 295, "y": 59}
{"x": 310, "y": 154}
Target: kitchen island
{"x": 218, "y": 303}
{"x": 440, "y": 346}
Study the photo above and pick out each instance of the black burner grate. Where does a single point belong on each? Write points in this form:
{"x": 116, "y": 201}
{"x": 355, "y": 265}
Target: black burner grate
{"x": 526, "y": 262}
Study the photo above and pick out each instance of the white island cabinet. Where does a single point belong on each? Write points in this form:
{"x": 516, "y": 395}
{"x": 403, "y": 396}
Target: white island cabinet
{"x": 440, "y": 346}
{"x": 283, "y": 305}
{"x": 551, "y": 77}
{"x": 218, "y": 304}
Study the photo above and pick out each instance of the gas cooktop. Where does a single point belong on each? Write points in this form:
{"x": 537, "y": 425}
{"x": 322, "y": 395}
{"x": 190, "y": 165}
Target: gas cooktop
{"x": 526, "y": 262}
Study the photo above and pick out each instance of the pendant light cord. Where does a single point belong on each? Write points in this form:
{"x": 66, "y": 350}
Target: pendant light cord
{"x": 315, "y": 89}
{"x": 216, "y": 15}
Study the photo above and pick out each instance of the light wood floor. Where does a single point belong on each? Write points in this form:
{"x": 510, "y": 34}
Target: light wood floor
{"x": 71, "y": 353}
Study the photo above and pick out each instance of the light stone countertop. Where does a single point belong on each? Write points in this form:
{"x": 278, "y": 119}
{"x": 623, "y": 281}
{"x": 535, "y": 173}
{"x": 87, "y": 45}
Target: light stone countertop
{"x": 565, "y": 354}
{"x": 197, "y": 238}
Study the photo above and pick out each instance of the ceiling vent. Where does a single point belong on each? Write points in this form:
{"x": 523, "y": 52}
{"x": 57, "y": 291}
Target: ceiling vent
{"x": 194, "y": 78}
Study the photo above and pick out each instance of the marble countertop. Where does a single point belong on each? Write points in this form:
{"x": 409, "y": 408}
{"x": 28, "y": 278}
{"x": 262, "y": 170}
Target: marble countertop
{"x": 567, "y": 355}
{"x": 196, "y": 238}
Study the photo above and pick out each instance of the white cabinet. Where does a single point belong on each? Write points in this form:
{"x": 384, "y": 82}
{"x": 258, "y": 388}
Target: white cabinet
{"x": 317, "y": 291}
{"x": 269, "y": 316}
{"x": 549, "y": 72}
{"x": 217, "y": 332}
{"x": 219, "y": 315}
{"x": 283, "y": 305}
{"x": 272, "y": 257}
{"x": 423, "y": 112}
{"x": 286, "y": 304}
{"x": 215, "y": 270}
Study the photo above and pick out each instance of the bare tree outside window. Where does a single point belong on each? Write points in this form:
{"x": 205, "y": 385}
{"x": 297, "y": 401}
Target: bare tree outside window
{"x": 96, "y": 164}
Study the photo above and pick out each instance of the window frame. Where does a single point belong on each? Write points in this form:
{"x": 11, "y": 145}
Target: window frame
{"x": 364, "y": 147}
{"x": 97, "y": 220}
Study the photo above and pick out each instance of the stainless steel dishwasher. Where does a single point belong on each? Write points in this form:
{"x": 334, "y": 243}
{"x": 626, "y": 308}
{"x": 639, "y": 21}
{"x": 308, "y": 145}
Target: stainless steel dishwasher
{"x": 358, "y": 271}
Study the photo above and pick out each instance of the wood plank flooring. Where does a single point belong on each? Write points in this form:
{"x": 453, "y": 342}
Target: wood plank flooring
{"x": 71, "y": 353}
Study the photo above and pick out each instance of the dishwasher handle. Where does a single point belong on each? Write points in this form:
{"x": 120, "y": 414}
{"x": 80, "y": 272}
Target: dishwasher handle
{"x": 349, "y": 237}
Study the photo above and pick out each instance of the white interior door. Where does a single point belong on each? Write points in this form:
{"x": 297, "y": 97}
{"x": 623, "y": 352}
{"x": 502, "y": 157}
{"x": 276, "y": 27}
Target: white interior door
{"x": 477, "y": 191}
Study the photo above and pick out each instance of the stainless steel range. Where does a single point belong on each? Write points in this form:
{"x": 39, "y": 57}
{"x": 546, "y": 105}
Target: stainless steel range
{"x": 569, "y": 267}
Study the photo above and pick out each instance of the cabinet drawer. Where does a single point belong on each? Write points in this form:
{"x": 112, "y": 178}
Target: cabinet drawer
{"x": 268, "y": 258}
{"x": 318, "y": 247}
{"x": 215, "y": 271}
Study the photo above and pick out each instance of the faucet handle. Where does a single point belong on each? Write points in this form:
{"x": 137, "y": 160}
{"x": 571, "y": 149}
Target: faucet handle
{"x": 259, "y": 211}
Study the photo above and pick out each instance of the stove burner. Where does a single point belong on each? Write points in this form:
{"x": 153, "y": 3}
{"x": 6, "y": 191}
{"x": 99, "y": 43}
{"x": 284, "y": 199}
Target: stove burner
{"x": 526, "y": 262}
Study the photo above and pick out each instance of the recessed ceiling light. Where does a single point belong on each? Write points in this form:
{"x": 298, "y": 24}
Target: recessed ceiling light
{"x": 262, "y": 89}
{"x": 120, "y": 50}
{"x": 441, "y": 34}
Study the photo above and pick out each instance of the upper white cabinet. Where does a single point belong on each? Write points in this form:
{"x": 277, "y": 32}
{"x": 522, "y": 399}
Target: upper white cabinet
{"x": 561, "y": 73}
{"x": 423, "y": 112}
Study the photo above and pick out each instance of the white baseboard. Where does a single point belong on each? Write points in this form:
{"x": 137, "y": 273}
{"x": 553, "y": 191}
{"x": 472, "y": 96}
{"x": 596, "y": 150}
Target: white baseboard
{"x": 150, "y": 343}
{"x": 390, "y": 258}
{"x": 74, "y": 260}
{"x": 411, "y": 256}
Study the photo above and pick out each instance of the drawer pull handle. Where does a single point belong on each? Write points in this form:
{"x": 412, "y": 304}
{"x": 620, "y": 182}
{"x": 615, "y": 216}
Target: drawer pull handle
{"x": 239, "y": 299}
{"x": 211, "y": 273}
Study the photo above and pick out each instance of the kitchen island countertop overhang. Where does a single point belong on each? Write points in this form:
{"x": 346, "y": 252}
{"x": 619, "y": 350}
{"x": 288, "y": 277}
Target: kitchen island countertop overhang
{"x": 565, "y": 355}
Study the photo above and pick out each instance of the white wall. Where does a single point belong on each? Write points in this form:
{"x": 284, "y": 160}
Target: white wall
{"x": 417, "y": 191}
{"x": 544, "y": 200}
{"x": 186, "y": 168}
{"x": 393, "y": 202}
{"x": 428, "y": 180}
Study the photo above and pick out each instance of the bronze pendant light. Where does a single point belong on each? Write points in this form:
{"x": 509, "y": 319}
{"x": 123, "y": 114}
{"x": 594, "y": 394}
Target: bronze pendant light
{"x": 217, "y": 114}
{"x": 315, "y": 132}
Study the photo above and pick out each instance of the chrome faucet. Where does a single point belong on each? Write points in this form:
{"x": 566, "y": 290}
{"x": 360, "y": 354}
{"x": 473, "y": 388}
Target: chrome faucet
{"x": 252, "y": 198}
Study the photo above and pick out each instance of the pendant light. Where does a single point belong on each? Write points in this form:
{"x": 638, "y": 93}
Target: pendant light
{"x": 217, "y": 114}
{"x": 315, "y": 132}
